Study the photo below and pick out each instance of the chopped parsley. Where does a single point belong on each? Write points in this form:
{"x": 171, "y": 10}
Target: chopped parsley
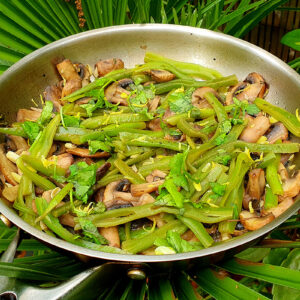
{"x": 71, "y": 121}
{"x": 83, "y": 177}
{"x": 217, "y": 188}
{"x": 243, "y": 106}
{"x": 139, "y": 98}
{"x": 95, "y": 146}
{"x": 180, "y": 100}
{"x": 98, "y": 101}
{"x": 31, "y": 129}
{"x": 223, "y": 159}
{"x": 90, "y": 232}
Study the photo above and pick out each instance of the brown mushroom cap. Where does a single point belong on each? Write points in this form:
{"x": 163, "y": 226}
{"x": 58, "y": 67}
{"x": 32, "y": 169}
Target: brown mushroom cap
{"x": 252, "y": 222}
{"x": 105, "y": 66}
{"x": 279, "y": 132}
{"x": 161, "y": 75}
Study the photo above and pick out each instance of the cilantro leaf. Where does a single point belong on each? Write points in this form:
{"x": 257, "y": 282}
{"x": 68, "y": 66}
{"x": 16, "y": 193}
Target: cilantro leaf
{"x": 90, "y": 231}
{"x": 180, "y": 101}
{"x": 31, "y": 129}
{"x": 71, "y": 121}
{"x": 94, "y": 146}
{"x": 252, "y": 109}
{"x": 46, "y": 114}
{"x": 140, "y": 97}
{"x": 83, "y": 177}
{"x": 217, "y": 188}
{"x": 177, "y": 170}
{"x": 177, "y": 243}
{"x": 101, "y": 102}
{"x": 223, "y": 159}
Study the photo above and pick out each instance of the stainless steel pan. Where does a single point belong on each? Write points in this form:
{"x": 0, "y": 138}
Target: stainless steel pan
{"x": 29, "y": 77}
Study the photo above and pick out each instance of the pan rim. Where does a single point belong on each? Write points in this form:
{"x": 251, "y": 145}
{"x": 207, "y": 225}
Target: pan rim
{"x": 224, "y": 246}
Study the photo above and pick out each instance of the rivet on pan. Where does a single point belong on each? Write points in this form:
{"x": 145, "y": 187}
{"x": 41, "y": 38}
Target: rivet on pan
{"x": 5, "y": 220}
{"x": 136, "y": 274}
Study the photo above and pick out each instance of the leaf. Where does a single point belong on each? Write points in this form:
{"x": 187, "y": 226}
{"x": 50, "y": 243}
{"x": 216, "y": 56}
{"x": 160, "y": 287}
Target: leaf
{"x": 253, "y": 254}
{"x": 95, "y": 146}
{"x": 31, "y": 129}
{"x": 46, "y": 114}
{"x": 182, "y": 287}
{"x": 177, "y": 243}
{"x": 223, "y": 287}
{"x": 292, "y": 262}
{"x": 292, "y": 39}
{"x": 276, "y": 256}
{"x": 252, "y": 109}
{"x": 83, "y": 177}
{"x": 180, "y": 101}
{"x": 160, "y": 288}
{"x": 269, "y": 273}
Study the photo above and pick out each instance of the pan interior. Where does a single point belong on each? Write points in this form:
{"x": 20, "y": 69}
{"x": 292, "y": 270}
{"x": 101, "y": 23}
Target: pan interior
{"x": 28, "y": 78}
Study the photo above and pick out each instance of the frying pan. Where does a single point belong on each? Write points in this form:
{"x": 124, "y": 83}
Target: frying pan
{"x": 28, "y": 78}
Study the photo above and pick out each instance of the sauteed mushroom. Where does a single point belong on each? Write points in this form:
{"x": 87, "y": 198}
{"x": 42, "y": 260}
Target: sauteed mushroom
{"x": 279, "y": 132}
{"x": 82, "y": 152}
{"x": 256, "y": 128}
{"x": 7, "y": 167}
{"x": 107, "y": 65}
{"x": 161, "y": 75}
{"x": 116, "y": 92}
{"x": 27, "y": 115}
{"x": 253, "y": 222}
{"x": 198, "y": 99}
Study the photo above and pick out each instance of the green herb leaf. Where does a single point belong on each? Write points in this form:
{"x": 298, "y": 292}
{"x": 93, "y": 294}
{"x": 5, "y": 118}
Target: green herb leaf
{"x": 180, "y": 101}
{"x": 31, "y": 129}
{"x": 252, "y": 109}
{"x": 46, "y": 114}
{"x": 292, "y": 39}
{"x": 223, "y": 159}
{"x": 94, "y": 146}
{"x": 226, "y": 126}
{"x": 177, "y": 243}
{"x": 71, "y": 121}
{"x": 177, "y": 170}
{"x": 83, "y": 177}
{"x": 217, "y": 188}
{"x": 90, "y": 231}
{"x": 221, "y": 139}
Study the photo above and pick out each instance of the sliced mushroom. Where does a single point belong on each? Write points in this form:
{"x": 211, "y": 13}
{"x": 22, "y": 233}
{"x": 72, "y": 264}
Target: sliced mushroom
{"x": 161, "y": 75}
{"x": 153, "y": 104}
{"x": 279, "y": 132}
{"x": 281, "y": 207}
{"x": 101, "y": 171}
{"x": 84, "y": 74}
{"x": 7, "y": 167}
{"x": 252, "y": 87}
{"x": 144, "y": 188}
{"x": 112, "y": 235}
{"x": 10, "y": 192}
{"x": 116, "y": 92}
{"x": 47, "y": 195}
{"x": 82, "y": 152}
{"x": 53, "y": 93}
{"x": 154, "y": 124}
{"x": 27, "y": 115}
{"x": 198, "y": 99}
{"x": 253, "y": 222}
{"x": 256, "y": 183}
{"x": 107, "y": 65}
{"x": 112, "y": 194}
{"x": 256, "y": 128}
{"x": 67, "y": 219}
{"x": 64, "y": 160}
{"x": 69, "y": 73}
{"x": 156, "y": 175}
{"x": 20, "y": 142}
{"x": 284, "y": 175}
{"x": 291, "y": 187}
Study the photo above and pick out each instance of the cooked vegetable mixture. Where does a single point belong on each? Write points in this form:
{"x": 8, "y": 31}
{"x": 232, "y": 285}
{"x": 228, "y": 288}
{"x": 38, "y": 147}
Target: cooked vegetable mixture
{"x": 163, "y": 158}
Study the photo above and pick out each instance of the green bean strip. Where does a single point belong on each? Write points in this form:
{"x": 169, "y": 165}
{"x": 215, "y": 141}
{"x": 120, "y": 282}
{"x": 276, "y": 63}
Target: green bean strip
{"x": 242, "y": 165}
{"x": 235, "y": 200}
{"x": 18, "y": 131}
{"x": 189, "y": 130}
{"x": 107, "y": 180}
{"x": 276, "y": 148}
{"x": 37, "y": 164}
{"x": 38, "y": 180}
{"x": 147, "y": 141}
{"x": 187, "y": 68}
{"x": 53, "y": 224}
{"x": 271, "y": 200}
{"x": 55, "y": 201}
{"x": 217, "y": 106}
{"x": 199, "y": 231}
{"x": 272, "y": 176}
{"x": 161, "y": 88}
{"x": 128, "y": 173}
{"x": 137, "y": 245}
{"x": 98, "y": 121}
{"x": 128, "y": 214}
{"x": 289, "y": 120}
{"x": 162, "y": 164}
{"x": 43, "y": 143}
{"x": 65, "y": 208}
{"x": 269, "y": 158}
